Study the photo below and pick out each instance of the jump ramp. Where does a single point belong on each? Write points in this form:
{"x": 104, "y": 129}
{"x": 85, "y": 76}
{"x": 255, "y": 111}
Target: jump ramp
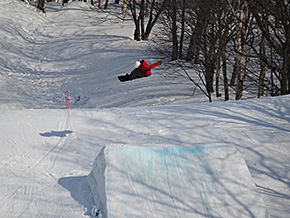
{"x": 133, "y": 181}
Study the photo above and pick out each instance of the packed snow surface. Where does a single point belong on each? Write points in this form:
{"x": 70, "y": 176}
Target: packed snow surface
{"x": 46, "y": 155}
{"x": 136, "y": 181}
{"x": 48, "y": 152}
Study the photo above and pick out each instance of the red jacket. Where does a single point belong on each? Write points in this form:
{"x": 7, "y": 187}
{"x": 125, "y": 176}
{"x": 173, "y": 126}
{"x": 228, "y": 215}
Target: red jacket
{"x": 146, "y": 68}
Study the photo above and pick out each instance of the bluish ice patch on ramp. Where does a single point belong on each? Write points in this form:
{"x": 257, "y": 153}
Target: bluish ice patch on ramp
{"x": 177, "y": 182}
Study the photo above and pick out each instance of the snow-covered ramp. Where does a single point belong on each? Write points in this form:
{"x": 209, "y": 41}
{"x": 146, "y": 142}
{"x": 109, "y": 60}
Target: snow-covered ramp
{"x": 170, "y": 181}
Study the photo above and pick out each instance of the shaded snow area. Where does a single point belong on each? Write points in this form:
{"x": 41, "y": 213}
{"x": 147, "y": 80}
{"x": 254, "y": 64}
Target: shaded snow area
{"x": 136, "y": 181}
{"x": 143, "y": 148}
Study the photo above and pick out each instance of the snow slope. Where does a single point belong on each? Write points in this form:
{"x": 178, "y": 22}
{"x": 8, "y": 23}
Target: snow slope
{"x": 46, "y": 155}
{"x": 78, "y": 50}
{"x": 47, "y": 152}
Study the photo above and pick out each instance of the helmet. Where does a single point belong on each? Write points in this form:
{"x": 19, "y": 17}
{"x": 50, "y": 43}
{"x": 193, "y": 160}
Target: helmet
{"x": 137, "y": 64}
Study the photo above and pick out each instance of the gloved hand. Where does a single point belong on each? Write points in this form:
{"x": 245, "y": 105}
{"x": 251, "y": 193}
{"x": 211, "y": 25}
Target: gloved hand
{"x": 160, "y": 62}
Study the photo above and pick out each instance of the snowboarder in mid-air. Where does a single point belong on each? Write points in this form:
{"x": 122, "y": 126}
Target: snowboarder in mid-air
{"x": 142, "y": 70}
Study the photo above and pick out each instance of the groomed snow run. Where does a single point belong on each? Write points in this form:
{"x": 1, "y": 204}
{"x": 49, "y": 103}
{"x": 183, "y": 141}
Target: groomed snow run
{"x": 170, "y": 181}
{"x": 47, "y": 155}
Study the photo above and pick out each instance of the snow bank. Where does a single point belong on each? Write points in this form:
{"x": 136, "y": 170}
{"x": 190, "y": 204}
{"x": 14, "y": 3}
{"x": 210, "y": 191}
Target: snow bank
{"x": 96, "y": 180}
{"x": 129, "y": 181}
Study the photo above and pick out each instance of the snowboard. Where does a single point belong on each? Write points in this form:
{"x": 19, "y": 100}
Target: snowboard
{"x": 124, "y": 78}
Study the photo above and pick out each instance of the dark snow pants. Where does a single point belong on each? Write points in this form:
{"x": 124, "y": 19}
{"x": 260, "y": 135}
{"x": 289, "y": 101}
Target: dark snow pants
{"x": 136, "y": 73}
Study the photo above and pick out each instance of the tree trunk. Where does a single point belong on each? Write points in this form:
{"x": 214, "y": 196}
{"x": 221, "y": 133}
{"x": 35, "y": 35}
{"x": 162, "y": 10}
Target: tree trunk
{"x": 263, "y": 69}
{"x": 174, "y": 30}
{"x": 106, "y": 4}
{"x": 64, "y": 2}
{"x": 190, "y": 51}
{"x": 210, "y": 56}
{"x": 100, "y": 5}
{"x": 240, "y": 85}
{"x": 151, "y": 21}
{"x": 142, "y": 17}
{"x": 41, "y": 5}
{"x": 137, "y": 33}
{"x": 240, "y": 72}
{"x": 209, "y": 77}
{"x": 209, "y": 66}
{"x": 217, "y": 80}
{"x": 194, "y": 44}
{"x": 286, "y": 59}
{"x": 136, "y": 19}
{"x": 226, "y": 85}
{"x": 147, "y": 11}
{"x": 284, "y": 77}
{"x": 182, "y": 29}
{"x": 124, "y": 6}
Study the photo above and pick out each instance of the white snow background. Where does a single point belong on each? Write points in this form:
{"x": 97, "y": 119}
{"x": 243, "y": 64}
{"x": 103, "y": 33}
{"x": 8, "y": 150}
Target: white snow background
{"x": 47, "y": 152}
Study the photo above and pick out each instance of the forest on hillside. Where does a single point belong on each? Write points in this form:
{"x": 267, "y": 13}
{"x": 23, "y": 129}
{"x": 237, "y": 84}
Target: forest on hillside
{"x": 232, "y": 46}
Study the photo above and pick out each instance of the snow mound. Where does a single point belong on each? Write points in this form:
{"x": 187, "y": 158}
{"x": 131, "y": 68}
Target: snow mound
{"x": 131, "y": 181}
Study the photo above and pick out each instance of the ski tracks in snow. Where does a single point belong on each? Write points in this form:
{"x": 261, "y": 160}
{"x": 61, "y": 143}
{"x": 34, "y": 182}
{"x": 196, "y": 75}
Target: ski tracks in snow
{"x": 57, "y": 143}
{"x": 24, "y": 193}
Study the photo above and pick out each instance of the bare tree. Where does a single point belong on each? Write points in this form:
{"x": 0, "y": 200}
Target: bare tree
{"x": 204, "y": 29}
{"x": 41, "y": 5}
{"x": 137, "y": 9}
{"x": 124, "y": 6}
{"x": 106, "y": 4}
{"x": 100, "y": 3}
{"x": 245, "y": 40}
{"x": 276, "y": 33}
{"x": 174, "y": 8}
{"x": 182, "y": 31}
{"x": 197, "y": 24}
{"x": 240, "y": 72}
{"x": 263, "y": 68}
